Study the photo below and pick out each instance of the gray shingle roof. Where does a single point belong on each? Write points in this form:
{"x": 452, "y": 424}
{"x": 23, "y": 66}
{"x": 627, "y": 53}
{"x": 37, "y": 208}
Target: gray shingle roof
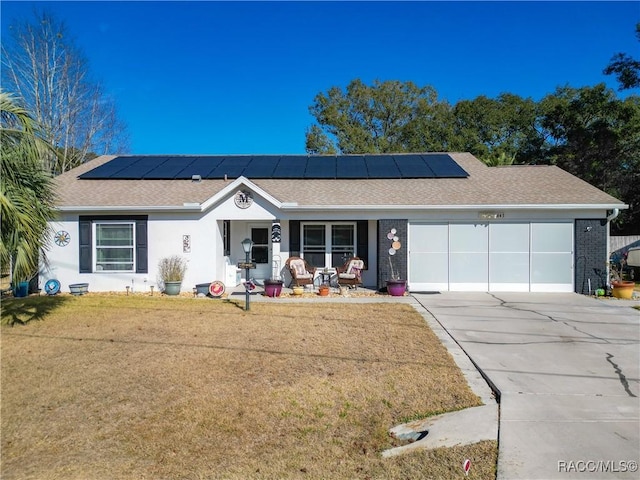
{"x": 514, "y": 185}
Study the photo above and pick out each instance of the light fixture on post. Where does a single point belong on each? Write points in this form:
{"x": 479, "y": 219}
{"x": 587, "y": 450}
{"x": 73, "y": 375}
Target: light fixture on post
{"x": 247, "y": 245}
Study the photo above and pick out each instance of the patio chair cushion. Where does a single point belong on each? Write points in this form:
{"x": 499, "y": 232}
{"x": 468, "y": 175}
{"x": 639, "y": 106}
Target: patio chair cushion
{"x": 298, "y": 266}
{"x": 355, "y": 266}
{"x": 347, "y": 275}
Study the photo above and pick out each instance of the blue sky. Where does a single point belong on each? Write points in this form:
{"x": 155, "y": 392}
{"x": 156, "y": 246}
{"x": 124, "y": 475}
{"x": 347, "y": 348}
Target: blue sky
{"x": 238, "y": 77}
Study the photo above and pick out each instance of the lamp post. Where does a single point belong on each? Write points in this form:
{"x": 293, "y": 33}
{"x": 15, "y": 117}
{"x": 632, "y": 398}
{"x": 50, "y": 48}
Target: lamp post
{"x": 247, "y": 245}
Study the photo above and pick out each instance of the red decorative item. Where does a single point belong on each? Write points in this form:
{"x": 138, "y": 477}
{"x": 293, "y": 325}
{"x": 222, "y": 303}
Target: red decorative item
{"x": 216, "y": 288}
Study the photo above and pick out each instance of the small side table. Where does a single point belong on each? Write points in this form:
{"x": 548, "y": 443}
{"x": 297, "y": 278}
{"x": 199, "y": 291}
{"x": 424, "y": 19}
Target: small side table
{"x": 325, "y": 276}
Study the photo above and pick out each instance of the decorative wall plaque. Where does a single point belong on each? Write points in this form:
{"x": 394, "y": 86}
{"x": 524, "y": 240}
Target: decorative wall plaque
{"x": 243, "y": 199}
{"x": 275, "y": 233}
{"x": 62, "y": 238}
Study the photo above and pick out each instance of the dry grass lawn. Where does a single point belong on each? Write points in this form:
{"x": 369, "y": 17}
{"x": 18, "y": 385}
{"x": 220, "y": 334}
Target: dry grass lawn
{"x": 138, "y": 387}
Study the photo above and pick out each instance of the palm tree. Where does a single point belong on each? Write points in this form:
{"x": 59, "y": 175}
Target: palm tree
{"x": 26, "y": 192}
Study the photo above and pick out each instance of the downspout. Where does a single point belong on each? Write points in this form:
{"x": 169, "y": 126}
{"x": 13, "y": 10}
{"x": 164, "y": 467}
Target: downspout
{"x": 614, "y": 213}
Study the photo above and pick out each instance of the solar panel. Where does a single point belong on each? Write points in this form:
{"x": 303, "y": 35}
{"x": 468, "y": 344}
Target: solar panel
{"x": 444, "y": 166}
{"x": 169, "y": 168}
{"x": 291, "y": 166}
{"x": 381, "y": 166}
{"x": 321, "y": 166}
{"x": 198, "y": 166}
{"x": 351, "y": 166}
{"x": 261, "y": 166}
{"x": 232, "y": 167}
{"x": 139, "y": 168}
{"x": 428, "y": 165}
{"x": 107, "y": 169}
{"x": 413, "y": 166}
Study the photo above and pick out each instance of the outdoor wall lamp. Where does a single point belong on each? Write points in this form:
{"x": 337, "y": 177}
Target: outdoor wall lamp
{"x": 247, "y": 245}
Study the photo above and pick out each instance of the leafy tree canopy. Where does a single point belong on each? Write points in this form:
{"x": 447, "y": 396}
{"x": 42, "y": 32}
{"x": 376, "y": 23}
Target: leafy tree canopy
{"x": 26, "y": 192}
{"x": 625, "y": 68}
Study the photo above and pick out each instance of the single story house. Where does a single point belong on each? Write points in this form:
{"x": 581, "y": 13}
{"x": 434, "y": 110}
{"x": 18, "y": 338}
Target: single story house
{"x": 442, "y": 221}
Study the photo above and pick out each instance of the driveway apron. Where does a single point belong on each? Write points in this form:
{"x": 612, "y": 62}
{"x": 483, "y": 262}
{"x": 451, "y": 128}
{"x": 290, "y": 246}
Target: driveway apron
{"x": 567, "y": 370}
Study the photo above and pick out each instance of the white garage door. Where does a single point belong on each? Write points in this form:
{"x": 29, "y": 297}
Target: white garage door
{"x": 506, "y": 257}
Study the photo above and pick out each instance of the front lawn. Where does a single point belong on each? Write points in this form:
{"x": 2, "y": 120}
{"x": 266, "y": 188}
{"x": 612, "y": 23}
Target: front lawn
{"x": 125, "y": 387}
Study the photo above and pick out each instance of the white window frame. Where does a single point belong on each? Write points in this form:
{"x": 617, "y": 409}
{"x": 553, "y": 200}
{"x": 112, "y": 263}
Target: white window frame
{"x": 328, "y": 245}
{"x": 95, "y": 247}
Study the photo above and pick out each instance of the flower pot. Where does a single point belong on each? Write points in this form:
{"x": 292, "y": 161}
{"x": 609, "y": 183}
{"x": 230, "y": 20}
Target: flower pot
{"x": 323, "y": 291}
{"x": 79, "y": 288}
{"x": 298, "y": 290}
{"x": 272, "y": 288}
{"x": 396, "y": 288}
{"x": 21, "y": 289}
{"x": 202, "y": 288}
{"x": 623, "y": 289}
{"x": 172, "y": 288}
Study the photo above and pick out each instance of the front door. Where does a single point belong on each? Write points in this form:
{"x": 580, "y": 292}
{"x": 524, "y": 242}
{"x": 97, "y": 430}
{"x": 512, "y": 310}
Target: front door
{"x": 260, "y": 253}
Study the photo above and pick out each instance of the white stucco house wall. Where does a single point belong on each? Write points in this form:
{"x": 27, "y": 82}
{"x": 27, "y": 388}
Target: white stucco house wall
{"x": 460, "y": 225}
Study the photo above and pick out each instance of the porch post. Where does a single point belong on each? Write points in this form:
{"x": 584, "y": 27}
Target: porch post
{"x": 276, "y": 259}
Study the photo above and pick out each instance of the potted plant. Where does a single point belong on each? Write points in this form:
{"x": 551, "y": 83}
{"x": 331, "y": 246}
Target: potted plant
{"x": 620, "y": 288}
{"x": 272, "y": 288}
{"x": 396, "y": 287}
{"x": 171, "y": 271}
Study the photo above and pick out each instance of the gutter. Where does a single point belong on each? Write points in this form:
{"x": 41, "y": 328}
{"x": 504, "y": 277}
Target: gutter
{"x": 292, "y": 206}
{"x": 571, "y": 206}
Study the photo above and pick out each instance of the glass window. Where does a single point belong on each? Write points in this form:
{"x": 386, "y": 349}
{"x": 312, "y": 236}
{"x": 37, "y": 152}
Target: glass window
{"x": 115, "y": 247}
{"x": 314, "y": 244}
{"x": 342, "y": 244}
{"x": 328, "y": 245}
{"x": 260, "y": 251}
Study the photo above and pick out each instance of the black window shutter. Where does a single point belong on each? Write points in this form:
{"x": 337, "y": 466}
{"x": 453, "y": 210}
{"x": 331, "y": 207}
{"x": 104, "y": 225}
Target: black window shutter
{"x": 141, "y": 247}
{"x": 226, "y": 237}
{"x": 294, "y": 238}
{"x": 363, "y": 241}
{"x": 85, "y": 262}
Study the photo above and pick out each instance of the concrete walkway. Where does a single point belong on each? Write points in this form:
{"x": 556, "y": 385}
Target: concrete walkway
{"x": 567, "y": 371}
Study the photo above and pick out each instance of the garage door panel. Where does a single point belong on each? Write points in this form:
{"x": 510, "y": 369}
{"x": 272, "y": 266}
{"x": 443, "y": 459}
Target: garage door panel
{"x": 468, "y": 257}
{"x": 429, "y": 268}
{"x": 509, "y": 257}
{"x": 428, "y": 257}
{"x": 552, "y": 257}
{"x": 551, "y": 268}
{"x": 469, "y": 237}
{"x": 468, "y": 267}
{"x": 509, "y": 267}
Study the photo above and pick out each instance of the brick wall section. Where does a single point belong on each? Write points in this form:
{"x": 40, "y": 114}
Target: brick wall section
{"x": 590, "y": 255}
{"x": 400, "y": 259}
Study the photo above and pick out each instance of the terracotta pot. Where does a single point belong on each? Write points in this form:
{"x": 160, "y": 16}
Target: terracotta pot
{"x": 623, "y": 289}
{"x": 323, "y": 291}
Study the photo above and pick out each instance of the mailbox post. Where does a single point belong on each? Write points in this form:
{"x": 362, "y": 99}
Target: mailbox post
{"x": 247, "y": 245}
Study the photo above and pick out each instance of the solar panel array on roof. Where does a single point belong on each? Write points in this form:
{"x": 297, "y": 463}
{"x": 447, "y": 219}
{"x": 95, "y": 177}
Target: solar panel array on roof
{"x": 157, "y": 167}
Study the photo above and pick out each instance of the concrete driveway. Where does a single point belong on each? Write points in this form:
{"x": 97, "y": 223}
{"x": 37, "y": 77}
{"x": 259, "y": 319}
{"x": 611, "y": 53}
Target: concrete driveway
{"x": 567, "y": 370}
